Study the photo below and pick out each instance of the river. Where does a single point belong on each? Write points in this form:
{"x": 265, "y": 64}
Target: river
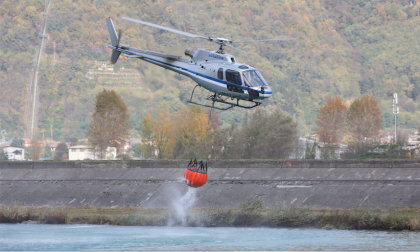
{"x": 104, "y": 237}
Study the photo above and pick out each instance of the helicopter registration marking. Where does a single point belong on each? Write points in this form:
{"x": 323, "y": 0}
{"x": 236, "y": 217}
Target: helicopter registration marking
{"x": 216, "y": 56}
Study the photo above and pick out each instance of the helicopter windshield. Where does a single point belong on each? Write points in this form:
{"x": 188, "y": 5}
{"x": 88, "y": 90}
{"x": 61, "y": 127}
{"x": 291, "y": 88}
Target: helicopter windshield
{"x": 254, "y": 79}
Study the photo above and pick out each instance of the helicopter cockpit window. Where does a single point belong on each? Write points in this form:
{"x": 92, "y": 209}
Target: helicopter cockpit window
{"x": 253, "y": 78}
{"x": 220, "y": 74}
{"x": 233, "y": 77}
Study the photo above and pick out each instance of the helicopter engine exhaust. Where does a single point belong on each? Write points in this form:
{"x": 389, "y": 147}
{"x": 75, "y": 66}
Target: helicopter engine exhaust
{"x": 189, "y": 53}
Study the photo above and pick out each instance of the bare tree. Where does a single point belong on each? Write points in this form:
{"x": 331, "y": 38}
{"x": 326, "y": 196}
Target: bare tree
{"x": 110, "y": 126}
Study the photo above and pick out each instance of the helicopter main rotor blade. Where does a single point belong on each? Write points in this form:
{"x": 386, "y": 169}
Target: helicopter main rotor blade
{"x": 263, "y": 40}
{"x": 167, "y": 29}
{"x": 236, "y": 49}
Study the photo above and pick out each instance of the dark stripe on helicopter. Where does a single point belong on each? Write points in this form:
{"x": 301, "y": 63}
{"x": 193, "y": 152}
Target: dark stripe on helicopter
{"x": 201, "y": 75}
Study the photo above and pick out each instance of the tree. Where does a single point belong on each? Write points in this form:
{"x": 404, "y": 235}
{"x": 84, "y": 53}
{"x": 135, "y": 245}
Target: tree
{"x": 110, "y": 126}
{"x": 60, "y": 150}
{"x": 47, "y": 152}
{"x": 3, "y": 155}
{"x": 273, "y": 135}
{"x": 192, "y": 128}
{"x": 331, "y": 120}
{"x": 310, "y": 152}
{"x": 266, "y": 135}
{"x": 146, "y": 148}
{"x": 163, "y": 134}
{"x": 36, "y": 147}
{"x": 167, "y": 137}
{"x": 73, "y": 141}
{"x": 364, "y": 118}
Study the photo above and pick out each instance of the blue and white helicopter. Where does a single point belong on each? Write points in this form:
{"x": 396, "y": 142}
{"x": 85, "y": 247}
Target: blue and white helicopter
{"x": 213, "y": 70}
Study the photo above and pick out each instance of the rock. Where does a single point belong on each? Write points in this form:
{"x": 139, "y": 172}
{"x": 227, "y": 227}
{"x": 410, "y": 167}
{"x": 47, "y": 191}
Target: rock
{"x": 29, "y": 222}
{"x": 328, "y": 227}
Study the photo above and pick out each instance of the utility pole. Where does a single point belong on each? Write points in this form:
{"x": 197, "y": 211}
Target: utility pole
{"x": 395, "y": 110}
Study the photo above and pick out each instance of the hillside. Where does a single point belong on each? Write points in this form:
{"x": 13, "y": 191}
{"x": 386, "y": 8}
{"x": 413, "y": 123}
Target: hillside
{"x": 347, "y": 48}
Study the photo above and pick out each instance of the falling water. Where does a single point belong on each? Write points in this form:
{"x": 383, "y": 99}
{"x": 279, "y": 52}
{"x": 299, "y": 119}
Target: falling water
{"x": 181, "y": 203}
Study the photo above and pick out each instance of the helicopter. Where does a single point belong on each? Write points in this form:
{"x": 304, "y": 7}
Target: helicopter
{"x": 215, "y": 71}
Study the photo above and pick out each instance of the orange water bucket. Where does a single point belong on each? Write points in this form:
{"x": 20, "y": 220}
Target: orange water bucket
{"x": 195, "y": 178}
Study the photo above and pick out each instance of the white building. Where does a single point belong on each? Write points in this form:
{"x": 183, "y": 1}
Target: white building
{"x": 14, "y": 153}
{"x": 83, "y": 152}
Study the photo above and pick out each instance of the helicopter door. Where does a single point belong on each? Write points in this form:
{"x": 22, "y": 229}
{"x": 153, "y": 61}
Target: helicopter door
{"x": 234, "y": 77}
{"x": 220, "y": 74}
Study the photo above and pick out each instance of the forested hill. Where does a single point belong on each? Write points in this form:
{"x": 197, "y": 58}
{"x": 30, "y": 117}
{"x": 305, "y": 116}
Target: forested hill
{"x": 345, "y": 47}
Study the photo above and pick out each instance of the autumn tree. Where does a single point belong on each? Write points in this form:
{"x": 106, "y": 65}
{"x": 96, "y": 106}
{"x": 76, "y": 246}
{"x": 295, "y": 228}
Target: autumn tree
{"x": 146, "y": 148}
{"x": 192, "y": 127}
{"x": 36, "y": 147}
{"x": 110, "y": 126}
{"x": 157, "y": 135}
{"x": 166, "y": 136}
{"x": 331, "y": 120}
{"x": 364, "y": 118}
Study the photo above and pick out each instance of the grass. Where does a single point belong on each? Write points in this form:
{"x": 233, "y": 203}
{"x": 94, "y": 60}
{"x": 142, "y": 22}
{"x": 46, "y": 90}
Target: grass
{"x": 250, "y": 213}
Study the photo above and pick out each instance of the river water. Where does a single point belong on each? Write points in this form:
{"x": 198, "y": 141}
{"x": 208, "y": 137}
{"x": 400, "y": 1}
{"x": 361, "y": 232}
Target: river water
{"x": 103, "y": 237}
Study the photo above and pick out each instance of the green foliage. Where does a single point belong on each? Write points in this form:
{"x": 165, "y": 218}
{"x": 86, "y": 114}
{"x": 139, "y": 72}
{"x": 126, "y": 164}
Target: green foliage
{"x": 265, "y": 135}
{"x": 345, "y": 47}
{"x": 3, "y": 155}
{"x": 47, "y": 152}
{"x": 372, "y": 150}
{"x": 60, "y": 151}
{"x": 328, "y": 152}
{"x": 310, "y": 152}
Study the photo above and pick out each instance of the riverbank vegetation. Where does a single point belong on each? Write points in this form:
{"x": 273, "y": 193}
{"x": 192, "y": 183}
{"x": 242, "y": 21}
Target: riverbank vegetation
{"x": 250, "y": 214}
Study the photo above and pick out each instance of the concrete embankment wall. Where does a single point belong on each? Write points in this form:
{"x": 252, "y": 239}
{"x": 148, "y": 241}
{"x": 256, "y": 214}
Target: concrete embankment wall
{"x": 335, "y": 184}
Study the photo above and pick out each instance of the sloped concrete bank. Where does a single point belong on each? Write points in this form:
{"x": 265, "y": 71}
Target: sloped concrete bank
{"x": 152, "y": 184}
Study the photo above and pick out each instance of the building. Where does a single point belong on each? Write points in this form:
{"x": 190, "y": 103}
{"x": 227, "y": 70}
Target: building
{"x": 53, "y": 147}
{"x": 83, "y": 152}
{"x": 26, "y": 142}
{"x": 14, "y": 153}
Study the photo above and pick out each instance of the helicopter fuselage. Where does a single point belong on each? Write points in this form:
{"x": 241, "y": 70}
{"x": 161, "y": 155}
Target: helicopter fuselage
{"x": 218, "y": 73}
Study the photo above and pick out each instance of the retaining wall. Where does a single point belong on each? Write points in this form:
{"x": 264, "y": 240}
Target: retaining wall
{"x": 335, "y": 184}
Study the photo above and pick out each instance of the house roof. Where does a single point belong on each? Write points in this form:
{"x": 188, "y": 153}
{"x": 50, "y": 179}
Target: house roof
{"x": 13, "y": 147}
{"x": 80, "y": 147}
{"x": 5, "y": 144}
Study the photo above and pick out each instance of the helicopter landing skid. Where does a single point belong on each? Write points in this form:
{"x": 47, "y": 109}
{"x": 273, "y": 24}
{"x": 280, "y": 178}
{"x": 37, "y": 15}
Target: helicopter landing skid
{"x": 218, "y": 98}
